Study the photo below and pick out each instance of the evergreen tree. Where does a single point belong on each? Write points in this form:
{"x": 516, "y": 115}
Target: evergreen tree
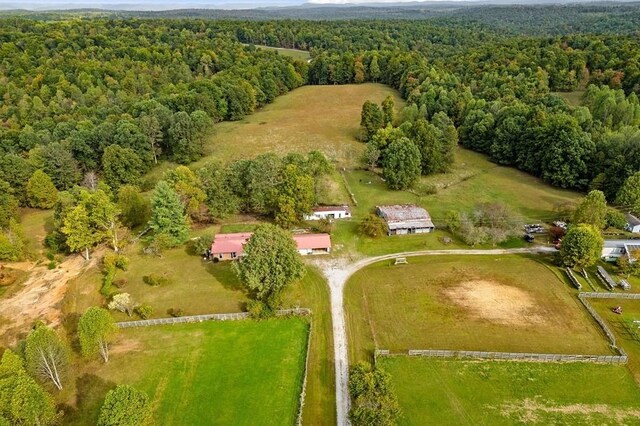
{"x": 167, "y": 215}
{"x": 371, "y": 120}
{"x": 388, "y": 111}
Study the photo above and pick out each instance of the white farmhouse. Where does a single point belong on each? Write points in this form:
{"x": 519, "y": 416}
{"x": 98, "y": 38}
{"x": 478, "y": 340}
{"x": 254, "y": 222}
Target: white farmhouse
{"x": 329, "y": 212}
{"x": 633, "y": 224}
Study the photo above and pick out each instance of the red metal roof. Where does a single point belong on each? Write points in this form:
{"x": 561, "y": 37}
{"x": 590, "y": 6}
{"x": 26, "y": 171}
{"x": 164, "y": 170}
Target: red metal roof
{"x": 234, "y": 243}
{"x": 312, "y": 241}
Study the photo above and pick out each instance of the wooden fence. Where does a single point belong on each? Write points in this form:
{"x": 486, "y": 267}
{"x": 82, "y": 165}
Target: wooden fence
{"x": 207, "y": 317}
{"x": 513, "y": 356}
{"x": 592, "y": 295}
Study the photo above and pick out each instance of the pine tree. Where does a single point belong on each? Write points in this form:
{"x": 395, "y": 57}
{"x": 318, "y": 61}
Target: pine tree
{"x": 168, "y": 217}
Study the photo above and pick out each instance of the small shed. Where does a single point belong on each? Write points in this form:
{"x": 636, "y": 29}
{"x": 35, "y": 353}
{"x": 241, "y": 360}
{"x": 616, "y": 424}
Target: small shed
{"x": 329, "y": 213}
{"x": 405, "y": 219}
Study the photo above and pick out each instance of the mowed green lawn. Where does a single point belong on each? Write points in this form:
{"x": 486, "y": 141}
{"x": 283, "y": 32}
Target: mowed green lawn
{"x": 236, "y": 372}
{"x": 508, "y": 303}
{"x": 325, "y": 118}
{"x": 453, "y": 392}
{"x": 199, "y": 287}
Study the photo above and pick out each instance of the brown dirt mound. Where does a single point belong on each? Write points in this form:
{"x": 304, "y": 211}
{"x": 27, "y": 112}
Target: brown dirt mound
{"x": 496, "y": 302}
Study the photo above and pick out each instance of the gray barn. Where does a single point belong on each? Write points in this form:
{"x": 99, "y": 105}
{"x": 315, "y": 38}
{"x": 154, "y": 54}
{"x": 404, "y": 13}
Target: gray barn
{"x": 405, "y": 219}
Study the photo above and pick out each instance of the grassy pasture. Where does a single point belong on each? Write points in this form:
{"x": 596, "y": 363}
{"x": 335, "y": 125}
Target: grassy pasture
{"x": 203, "y": 287}
{"x": 473, "y": 179}
{"x": 207, "y": 373}
{"x": 302, "y": 55}
{"x": 36, "y": 224}
{"x": 452, "y": 392}
{"x": 325, "y": 118}
{"x": 626, "y": 332}
{"x": 502, "y": 303}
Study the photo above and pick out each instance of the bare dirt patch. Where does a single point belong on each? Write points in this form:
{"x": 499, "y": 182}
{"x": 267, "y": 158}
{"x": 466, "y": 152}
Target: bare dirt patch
{"x": 531, "y": 411}
{"x": 495, "y": 302}
{"x": 125, "y": 345}
{"x": 39, "y": 298}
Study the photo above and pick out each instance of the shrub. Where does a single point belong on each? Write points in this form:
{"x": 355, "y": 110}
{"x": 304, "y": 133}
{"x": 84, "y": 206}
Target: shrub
{"x": 200, "y": 245}
{"x": 615, "y": 219}
{"x": 258, "y": 309}
{"x": 156, "y": 280}
{"x": 323, "y": 225}
{"x": 175, "y": 312}
{"x": 373, "y": 226}
{"x": 121, "y": 283}
{"x": 52, "y": 265}
{"x": 144, "y": 311}
{"x": 111, "y": 262}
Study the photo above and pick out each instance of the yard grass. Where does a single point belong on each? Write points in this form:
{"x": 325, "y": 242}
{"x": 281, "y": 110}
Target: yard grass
{"x": 453, "y": 392}
{"x": 325, "y": 118}
{"x": 208, "y": 373}
{"x": 200, "y": 287}
{"x": 625, "y": 331}
{"x": 510, "y": 303}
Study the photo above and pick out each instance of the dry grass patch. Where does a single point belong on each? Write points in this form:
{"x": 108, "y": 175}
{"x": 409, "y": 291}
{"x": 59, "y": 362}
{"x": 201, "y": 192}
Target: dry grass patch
{"x": 483, "y": 302}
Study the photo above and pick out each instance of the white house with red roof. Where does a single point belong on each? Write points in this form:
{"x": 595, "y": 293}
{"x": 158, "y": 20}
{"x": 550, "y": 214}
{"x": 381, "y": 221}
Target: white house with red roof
{"x": 231, "y": 246}
{"x": 329, "y": 213}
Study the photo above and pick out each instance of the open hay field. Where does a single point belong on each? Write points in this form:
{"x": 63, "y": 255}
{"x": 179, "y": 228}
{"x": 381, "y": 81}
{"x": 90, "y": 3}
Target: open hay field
{"x": 505, "y": 303}
{"x": 301, "y": 55}
{"x": 452, "y": 392}
{"x": 236, "y": 372}
{"x": 325, "y": 118}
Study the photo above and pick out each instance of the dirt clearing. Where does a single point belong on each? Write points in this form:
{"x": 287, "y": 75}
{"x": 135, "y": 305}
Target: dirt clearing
{"x": 39, "y": 298}
{"x": 496, "y": 302}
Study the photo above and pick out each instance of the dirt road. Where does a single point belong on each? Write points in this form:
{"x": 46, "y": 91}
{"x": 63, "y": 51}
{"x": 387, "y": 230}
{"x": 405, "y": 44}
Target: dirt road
{"x": 337, "y": 271}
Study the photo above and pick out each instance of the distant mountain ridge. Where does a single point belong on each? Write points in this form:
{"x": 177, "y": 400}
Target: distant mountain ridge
{"x": 194, "y": 5}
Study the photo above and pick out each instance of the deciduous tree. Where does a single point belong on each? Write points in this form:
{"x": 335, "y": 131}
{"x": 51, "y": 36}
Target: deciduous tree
{"x": 121, "y": 166}
{"x": 628, "y": 197}
{"x": 22, "y": 400}
{"x": 271, "y": 262}
{"x": 47, "y": 354}
{"x": 135, "y": 209}
{"x": 592, "y": 210}
{"x": 374, "y": 402}
{"x": 401, "y": 164}
{"x": 96, "y": 329}
{"x": 125, "y": 406}
{"x": 582, "y": 246}
{"x": 41, "y": 192}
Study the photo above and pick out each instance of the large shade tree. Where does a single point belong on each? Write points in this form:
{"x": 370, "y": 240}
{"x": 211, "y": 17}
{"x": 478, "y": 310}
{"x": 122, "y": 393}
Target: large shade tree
{"x": 271, "y": 262}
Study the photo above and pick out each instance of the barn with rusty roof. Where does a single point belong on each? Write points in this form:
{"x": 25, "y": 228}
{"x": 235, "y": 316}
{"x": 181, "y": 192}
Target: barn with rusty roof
{"x": 404, "y": 219}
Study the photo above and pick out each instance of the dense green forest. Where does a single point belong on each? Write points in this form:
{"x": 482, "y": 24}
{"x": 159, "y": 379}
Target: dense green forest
{"x": 110, "y": 97}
